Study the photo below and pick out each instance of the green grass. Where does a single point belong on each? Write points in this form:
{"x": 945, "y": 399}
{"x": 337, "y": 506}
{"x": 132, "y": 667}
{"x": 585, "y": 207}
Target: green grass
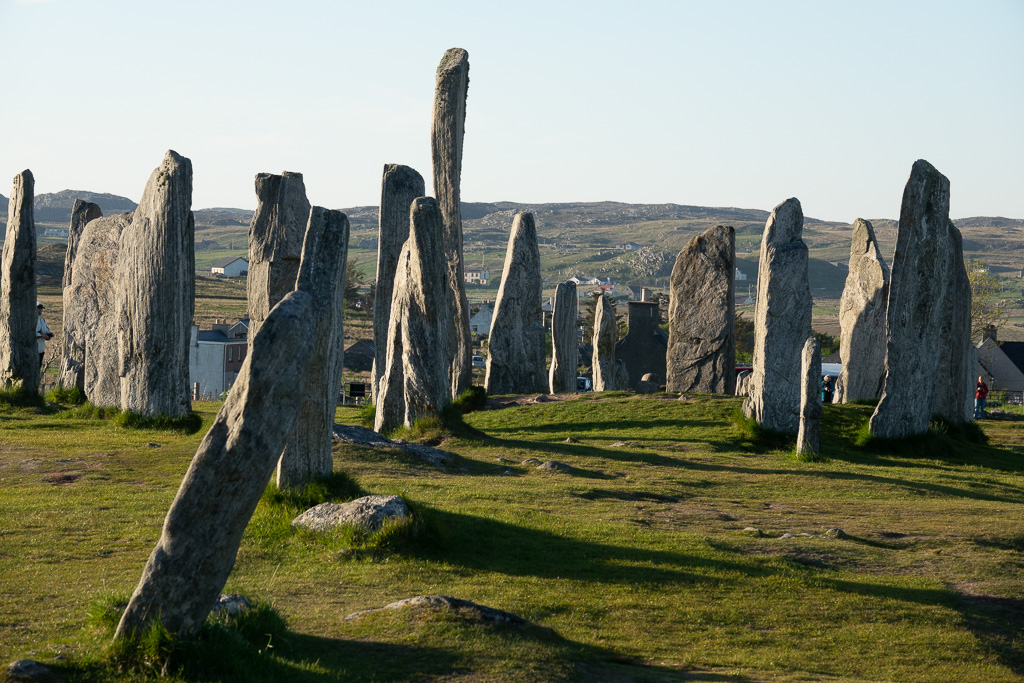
{"x": 634, "y": 565}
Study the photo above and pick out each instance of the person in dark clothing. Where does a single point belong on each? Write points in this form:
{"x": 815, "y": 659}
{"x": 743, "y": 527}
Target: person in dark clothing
{"x": 827, "y": 391}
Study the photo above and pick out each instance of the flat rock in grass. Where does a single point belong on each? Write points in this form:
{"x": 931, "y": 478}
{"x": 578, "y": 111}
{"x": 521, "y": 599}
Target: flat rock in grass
{"x": 787, "y": 536}
{"x": 835, "y": 532}
{"x": 231, "y": 603}
{"x": 28, "y": 670}
{"x": 622, "y": 444}
{"x": 530, "y": 461}
{"x": 554, "y": 465}
{"x": 361, "y": 436}
{"x": 570, "y": 439}
{"x": 753, "y": 531}
{"x": 368, "y": 513}
{"x": 487, "y": 615}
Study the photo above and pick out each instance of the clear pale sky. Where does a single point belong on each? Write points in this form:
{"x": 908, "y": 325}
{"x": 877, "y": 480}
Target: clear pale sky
{"x": 710, "y": 103}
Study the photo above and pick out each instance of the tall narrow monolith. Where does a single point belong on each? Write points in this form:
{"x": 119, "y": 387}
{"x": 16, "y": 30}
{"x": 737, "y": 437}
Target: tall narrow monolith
{"x": 414, "y": 383}
{"x": 808, "y": 435}
{"x": 155, "y": 297}
{"x": 307, "y": 455}
{"x": 19, "y": 359}
{"x": 448, "y": 130}
{"x": 515, "y": 360}
{"x": 276, "y": 233}
{"x": 702, "y": 315}
{"x": 202, "y": 531}
{"x": 782, "y": 322}
{"x": 564, "y": 342}
{"x": 927, "y": 340}
{"x": 862, "y": 319}
{"x": 399, "y": 187}
{"x": 72, "y": 363}
{"x": 607, "y": 375}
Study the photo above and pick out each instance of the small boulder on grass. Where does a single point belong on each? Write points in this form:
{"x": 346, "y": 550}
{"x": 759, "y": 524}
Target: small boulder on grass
{"x": 481, "y": 613}
{"x": 368, "y": 513}
{"x": 28, "y": 670}
{"x": 554, "y": 465}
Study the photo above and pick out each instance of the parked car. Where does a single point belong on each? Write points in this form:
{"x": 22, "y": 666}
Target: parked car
{"x": 478, "y": 361}
{"x": 584, "y": 384}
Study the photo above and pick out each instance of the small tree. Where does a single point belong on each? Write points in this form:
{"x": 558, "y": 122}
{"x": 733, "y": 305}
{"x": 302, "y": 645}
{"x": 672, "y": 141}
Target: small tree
{"x": 353, "y": 281}
{"x": 987, "y": 309}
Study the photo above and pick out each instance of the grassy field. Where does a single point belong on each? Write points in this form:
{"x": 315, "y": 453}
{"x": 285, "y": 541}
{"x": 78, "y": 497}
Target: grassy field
{"x": 638, "y": 564}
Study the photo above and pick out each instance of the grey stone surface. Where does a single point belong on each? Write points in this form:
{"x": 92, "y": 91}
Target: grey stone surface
{"x": 276, "y": 233}
{"x": 923, "y": 321}
{"x": 72, "y": 362}
{"x": 808, "y": 435}
{"x": 970, "y": 375}
{"x": 189, "y": 565}
{"x": 607, "y": 375}
{"x": 701, "y": 352}
{"x": 742, "y": 380}
{"x": 445, "y": 602}
{"x": 862, "y": 319}
{"x": 307, "y": 455}
{"x": 643, "y": 348}
{"x": 447, "y": 132}
{"x": 361, "y": 436}
{"x": 415, "y": 383}
{"x": 515, "y": 359}
{"x": 782, "y": 322}
{"x": 368, "y": 513}
{"x": 155, "y": 296}
{"x": 90, "y": 312}
{"x": 400, "y": 185}
{"x": 19, "y": 360}
{"x": 29, "y": 670}
{"x": 564, "y": 345}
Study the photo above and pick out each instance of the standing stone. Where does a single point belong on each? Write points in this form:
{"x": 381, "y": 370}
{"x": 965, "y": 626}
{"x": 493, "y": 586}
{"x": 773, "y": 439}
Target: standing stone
{"x": 564, "y": 345}
{"x": 399, "y": 187}
{"x": 862, "y": 319}
{"x": 644, "y": 347}
{"x": 782, "y": 322}
{"x": 515, "y": 360}
{"x": 448, "y": 130}
{"x": 807, "y": 437}
{"x": 702, "y": 315}
{"x": 90, "y": 312}
{"x": 203, "y": 528}
{"x": 72, "y": 363}
{"x": 607, "y": 375}
{"x": 970, "y": 375}
{"x": 276, "y": 233}
{"x": 156, "y": 289}
{"x": 414, "y": 384}
{"x": 924, "y": 320}
{"x": 307, "y": 455}
{"x": 19, "y": 360}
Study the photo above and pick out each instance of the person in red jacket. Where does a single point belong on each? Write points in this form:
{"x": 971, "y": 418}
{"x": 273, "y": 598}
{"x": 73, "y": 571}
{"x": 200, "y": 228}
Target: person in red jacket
{"x": 980, "y": 394}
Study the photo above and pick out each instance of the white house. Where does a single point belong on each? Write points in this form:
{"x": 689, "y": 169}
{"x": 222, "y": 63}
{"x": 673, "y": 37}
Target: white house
{"x": 740, "y": 275}
{"x": 479, "y": 276}
{"x": 215, "y": 357}
{"x": 480, "y": 322}
{"x": 230, "y": 267}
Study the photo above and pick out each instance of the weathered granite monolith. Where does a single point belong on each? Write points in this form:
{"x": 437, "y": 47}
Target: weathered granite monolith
{"x": 399, "y": 187}
{"x": 19, "y": 360}
{"x": 564, "y": 343}
{"x": 72, "y": 362}
{"x": 276, "y": 232}
{"x": 515, "y": 360}
{"x": 970, "y": 374}
{"x": 307, "y": 455}
{"x": 782, "y": 322}
{"x": 862, "y": 319}
{"x": 702, "y": 315}
{"x": 203, "y": 528}
{"x": 414, "y": 383}
{"x": 807, "y": 437}
{"x": 90, "y": 312}
{"x": 924, "y": 320}
{"x": 606, "y": 373}
{"x": 155, "y": 297}
{"x": 448, "y": 130}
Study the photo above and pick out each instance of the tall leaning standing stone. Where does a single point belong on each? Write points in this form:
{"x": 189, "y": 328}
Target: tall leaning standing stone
{"x": 515, "y": 359}
{"x": 156, "y": 294}
{"x": 399, "y": 187}
{"x": 276, "y": 232}
{"x": 606, "y": 334}
{"x": 782, "y": 322}
{"x": 414, "y": 384}
{"x": 808, "y": 436}
{"x": 72, "y": 363}
{"x": 19, "y": 360}
{"x": 448, "y": 130}
{"x": 702, "y": 315}
{"x": 862, "y": 319}
{"x": 564, "y": 346}
{"x": 203, "y": 528}
{"x": 927, "y": 344}
{"x": 307, "y": 455}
